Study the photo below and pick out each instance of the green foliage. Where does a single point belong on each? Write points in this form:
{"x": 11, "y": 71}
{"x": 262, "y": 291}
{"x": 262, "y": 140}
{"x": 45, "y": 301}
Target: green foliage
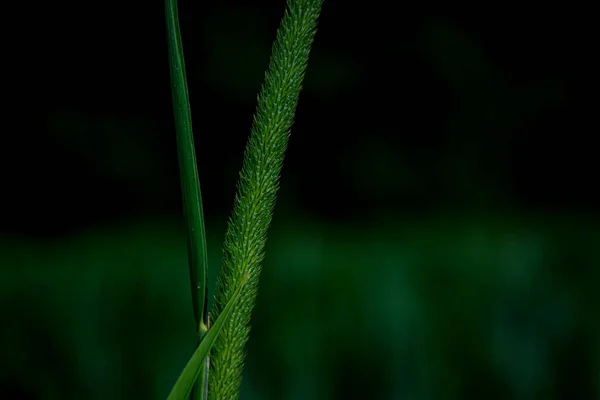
{"x": 433, "y": 283}
{"x": 259, "y": 181}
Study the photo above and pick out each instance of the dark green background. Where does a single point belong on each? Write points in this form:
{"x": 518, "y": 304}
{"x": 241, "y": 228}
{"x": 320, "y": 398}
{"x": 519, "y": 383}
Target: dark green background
{"x": 436, "y": 234}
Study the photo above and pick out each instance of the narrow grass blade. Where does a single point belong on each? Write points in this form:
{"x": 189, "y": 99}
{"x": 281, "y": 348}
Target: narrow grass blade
{"x": 190, "y": 183}
{"x": 183, "y": 387}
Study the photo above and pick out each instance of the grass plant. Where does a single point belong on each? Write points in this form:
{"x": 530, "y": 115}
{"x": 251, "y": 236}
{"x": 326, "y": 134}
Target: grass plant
{"x": 216, "y": 365}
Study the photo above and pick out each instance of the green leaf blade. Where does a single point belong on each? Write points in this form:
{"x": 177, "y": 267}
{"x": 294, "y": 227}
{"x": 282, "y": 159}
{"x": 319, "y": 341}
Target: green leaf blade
{"x": 190, "y": 183}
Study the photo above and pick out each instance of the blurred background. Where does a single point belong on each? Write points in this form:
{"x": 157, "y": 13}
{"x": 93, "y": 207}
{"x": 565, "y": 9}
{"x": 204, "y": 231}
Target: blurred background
{"x": 436, "y": 234}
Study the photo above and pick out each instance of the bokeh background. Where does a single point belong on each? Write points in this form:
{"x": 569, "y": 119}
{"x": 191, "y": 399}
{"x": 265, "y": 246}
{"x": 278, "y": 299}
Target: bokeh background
{"x": 436, "y": 234}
